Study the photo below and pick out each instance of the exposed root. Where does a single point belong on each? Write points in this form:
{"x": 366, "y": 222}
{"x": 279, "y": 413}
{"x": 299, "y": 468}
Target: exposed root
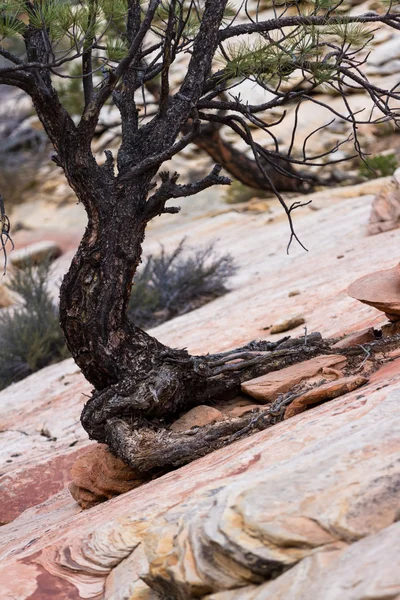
{"x": 133, "y": 417}
{"x": 146, "y": 449}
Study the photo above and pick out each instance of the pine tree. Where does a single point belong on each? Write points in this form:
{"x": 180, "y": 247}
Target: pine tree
{"x": 115, "y": 49}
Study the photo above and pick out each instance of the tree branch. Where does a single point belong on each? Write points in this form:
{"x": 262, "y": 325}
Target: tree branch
{"x": 299, "y": 20}
{"x": 169, "y": 189}
{"x": 87, "y": 67}
{"x": 90, "y": 116}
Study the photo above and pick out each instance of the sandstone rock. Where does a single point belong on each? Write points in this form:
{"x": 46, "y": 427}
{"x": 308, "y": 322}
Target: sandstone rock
{"x": 268, "y": 387}
{"x": 381, "y": 290}
{"x": 55, "y": 550}
{"x": 34, "y": 467}
{"x": 324, "y": 392}
{"x": 362, "y": 570}
{"x": 293, "y": 293}
{"x": 385, "y": 210}
{"x": 35, "y": 253}
{"x": 287, "y": 323}
{"x": 386, "y": 52}
{"x": 97, "y": 475}
{"x": 242, "y": 410}
{"x": 197, "y": 417}
{"x": 231, "y": 520}
{"x": 236, "y": 407}
{"x": 365, "y": 336}
{"x": 225, "y": 406}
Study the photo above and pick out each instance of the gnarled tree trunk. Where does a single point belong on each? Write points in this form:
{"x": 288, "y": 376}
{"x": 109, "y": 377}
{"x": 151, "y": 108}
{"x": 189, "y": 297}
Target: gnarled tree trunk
{"x": 141, "y": 386}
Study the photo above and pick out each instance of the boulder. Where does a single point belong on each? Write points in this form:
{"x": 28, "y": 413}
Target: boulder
{"x": 268, "y": 387}
{"x": 197, "y": 417}
{"x": 97, "y": 475}
{"x": 385, "y": 210}
{"x": 386, "y": 52}
{"x": 324, "y": 392}
{"x": 381, "y": 290}
{"x": 35, "y": 253}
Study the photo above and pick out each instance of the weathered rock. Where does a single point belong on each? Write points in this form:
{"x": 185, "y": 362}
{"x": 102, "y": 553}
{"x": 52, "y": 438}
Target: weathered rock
{"x": 242, "y": 410}
{"x": 362, "y": 570}
{"x": 97, "y": 475}
{"x": 40, "y": 436}
{"x": 268, "y": 387}
{"x": 35, "y": 253}
{"x": 385, "y": 52}
{"x": 293, "y": 293}
{"x": 381, "y": 290}
{"x": 287, "y": 323}
{"x": 55, "y": 550}
{"x": 239, "y": 402}
{"x": 231, "y": 520}
{"x": 365, "y": 336}
{"x": 324, "y": 392}
{"x": 197, "y": 417}
{"x": 257, "y": 205}
{"x": 385, "y": 210}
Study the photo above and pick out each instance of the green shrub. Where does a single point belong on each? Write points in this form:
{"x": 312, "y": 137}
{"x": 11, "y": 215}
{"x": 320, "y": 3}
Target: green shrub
{"x": 173, "y": 284}
{"x": 380, "y": 165}
{"x": 30, "y": 334}
{"x": 238, "y": 192}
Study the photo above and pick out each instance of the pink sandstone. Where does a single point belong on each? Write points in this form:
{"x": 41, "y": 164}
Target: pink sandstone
{"x": 381, "y": 290}
{"x": 268, "y": 387}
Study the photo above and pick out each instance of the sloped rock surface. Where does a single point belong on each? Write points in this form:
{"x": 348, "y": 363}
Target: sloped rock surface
{"x": 148, "y": 535}
{"x": 276, "y": 505}
{"x": 35, "y": 253}
{"x": 40, "y": 436}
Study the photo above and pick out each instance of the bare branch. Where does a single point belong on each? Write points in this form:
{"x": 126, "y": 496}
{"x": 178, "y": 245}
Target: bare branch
{"x": 169, "y": 189}
{"x": 91, "y": 114}
{"x": 294, "y": 21}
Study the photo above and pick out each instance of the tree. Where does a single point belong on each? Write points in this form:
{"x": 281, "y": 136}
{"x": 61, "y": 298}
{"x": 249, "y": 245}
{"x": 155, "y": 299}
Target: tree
{"x": 139, "y": 384}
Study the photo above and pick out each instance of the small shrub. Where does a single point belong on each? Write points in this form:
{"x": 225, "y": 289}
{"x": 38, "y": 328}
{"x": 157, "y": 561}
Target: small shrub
{"x": 172, "y": 284}
{"x": 238, "y": 192}
{"x": 30, "y": 335}
{"x": 380, "y": 165}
